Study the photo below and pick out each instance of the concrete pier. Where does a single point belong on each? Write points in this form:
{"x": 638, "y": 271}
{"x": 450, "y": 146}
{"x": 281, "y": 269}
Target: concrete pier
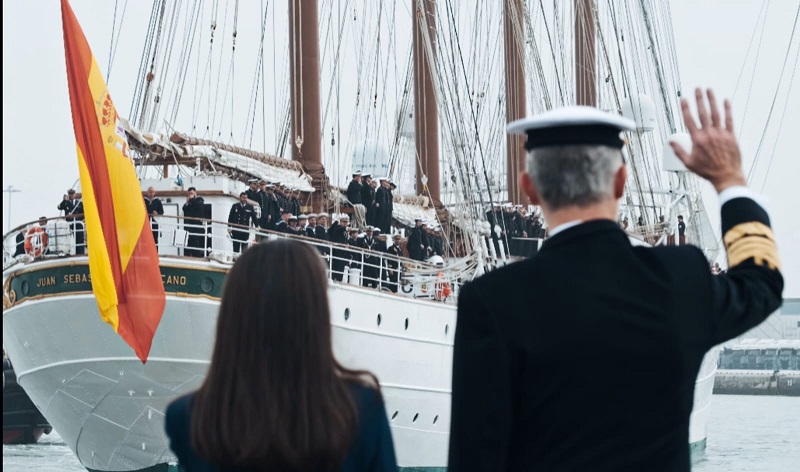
{"x": 757, "y": 382}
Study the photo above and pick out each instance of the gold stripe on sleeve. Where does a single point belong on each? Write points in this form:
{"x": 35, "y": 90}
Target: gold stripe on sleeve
{"x": 752, "y": 240}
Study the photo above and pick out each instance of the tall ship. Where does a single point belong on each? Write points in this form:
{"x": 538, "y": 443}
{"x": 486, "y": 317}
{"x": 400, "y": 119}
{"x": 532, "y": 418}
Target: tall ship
{"x": 434, "y": 127}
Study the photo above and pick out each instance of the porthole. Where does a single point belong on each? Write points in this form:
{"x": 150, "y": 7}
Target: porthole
{"x": 379, "y": 319}
{"x": 394, "y": 415}
{"x": 346, "y": 314}
{"x": 206, "y": 285}
{"x": 26, "y": 288}
{"x": 415, "y": 418}
{"x": 406, "y": 323}
{"x": 446, "y": 329}
{"x": 435, "y": 419}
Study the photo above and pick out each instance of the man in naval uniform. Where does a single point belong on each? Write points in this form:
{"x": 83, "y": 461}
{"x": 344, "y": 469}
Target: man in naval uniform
{"x": 243, "y": 215}
{"x": 649, "y": 313}
{"x": 368, "y": 199}
{"x": 193, "y": 212}
{"x": 392, "y": 271}
{"x": 354, "y": 196}
{"x": 681, "y": 231}
{"x": 73, "y": 209}
{"x": 371, "y": 261}
{"x": 154, "y": 208}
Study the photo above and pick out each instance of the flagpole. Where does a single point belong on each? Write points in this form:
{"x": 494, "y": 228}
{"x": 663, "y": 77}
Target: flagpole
{"x": 10, "y": 190}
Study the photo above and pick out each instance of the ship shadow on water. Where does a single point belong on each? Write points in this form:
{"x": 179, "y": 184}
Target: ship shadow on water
{"x": 50, "y": 454}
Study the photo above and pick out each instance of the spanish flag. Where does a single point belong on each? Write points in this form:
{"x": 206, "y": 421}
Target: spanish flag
{"x": 123, "y": 259}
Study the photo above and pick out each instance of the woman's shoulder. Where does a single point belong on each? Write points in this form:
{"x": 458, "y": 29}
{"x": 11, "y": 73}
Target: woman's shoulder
{"x": 178, "y": 415}
{"x": 180, "y": 406}
{"x": 365, "y": 392}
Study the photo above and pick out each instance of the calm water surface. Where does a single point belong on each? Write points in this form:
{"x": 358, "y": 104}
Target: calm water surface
{"x": 745, "y": 434}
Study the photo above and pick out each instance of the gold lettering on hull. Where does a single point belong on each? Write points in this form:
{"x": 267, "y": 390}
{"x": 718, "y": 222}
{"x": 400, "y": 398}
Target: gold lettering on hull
{"x": 46, "y": 281}
{"x": 77, "y": 278}
{"x": 174, "y": 279}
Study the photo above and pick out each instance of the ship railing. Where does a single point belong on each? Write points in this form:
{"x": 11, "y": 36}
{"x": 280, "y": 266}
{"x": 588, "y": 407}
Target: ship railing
{"x": 207, "y": 239}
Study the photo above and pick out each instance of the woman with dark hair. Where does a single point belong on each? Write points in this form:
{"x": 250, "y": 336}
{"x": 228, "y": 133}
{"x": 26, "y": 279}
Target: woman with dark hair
{"x": 275, "y": 398}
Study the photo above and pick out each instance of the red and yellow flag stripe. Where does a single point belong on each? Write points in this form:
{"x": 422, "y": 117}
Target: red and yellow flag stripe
{"x": 123, "y": 258}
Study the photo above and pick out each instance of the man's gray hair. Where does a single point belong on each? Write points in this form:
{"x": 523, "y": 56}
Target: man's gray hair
{"x": 574, "y": 175}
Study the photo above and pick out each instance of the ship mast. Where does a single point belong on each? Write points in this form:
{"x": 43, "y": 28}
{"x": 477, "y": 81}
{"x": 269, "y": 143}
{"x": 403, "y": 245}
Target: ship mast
{"x": 585, "y": 54}
{"x": 306, "y": 140}
{"x": 426, "y": 118}
{"x": 515, "y": 95}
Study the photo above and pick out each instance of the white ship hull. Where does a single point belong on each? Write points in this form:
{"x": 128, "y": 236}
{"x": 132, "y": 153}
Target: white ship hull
{"x": 109, "y": 408}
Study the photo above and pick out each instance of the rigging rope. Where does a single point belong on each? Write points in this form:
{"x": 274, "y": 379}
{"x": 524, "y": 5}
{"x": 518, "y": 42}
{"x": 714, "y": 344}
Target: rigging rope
{"x": 774, "y": 98}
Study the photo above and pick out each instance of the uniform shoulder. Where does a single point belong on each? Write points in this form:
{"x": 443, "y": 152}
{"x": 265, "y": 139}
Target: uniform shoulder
{"x": 680, "y": 258}
{"x": 500, "y": 278}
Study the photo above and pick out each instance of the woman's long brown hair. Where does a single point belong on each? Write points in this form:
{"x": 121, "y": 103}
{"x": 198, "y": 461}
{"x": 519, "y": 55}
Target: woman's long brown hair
{"x": 275, "y": 396}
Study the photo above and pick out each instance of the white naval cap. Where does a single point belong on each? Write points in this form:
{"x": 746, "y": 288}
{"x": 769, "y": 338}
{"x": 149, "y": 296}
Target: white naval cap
{"x": 572, "y": 126}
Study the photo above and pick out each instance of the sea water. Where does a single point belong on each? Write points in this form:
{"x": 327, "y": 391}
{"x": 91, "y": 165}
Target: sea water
{"x": 745, "y": 434}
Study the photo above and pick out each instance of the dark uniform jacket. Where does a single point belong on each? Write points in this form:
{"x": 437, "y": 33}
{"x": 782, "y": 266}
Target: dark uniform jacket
{"x": 242, "y": 215}
{"x": 321, "y": 232}
{"x": 153, "y": 205}
{"x": 72, "y": 207}
{"x": 418, "y": 244}
{"x": 354, "y": 192}
{"x": 194, "y": 208}
{"x": 367, "y": 196}
{"x": 637, "y": 320}
{"x": 395, "y": 250}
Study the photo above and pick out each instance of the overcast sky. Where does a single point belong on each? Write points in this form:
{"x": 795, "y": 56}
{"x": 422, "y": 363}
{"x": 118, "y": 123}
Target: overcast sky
{"x": 712, "y": 39}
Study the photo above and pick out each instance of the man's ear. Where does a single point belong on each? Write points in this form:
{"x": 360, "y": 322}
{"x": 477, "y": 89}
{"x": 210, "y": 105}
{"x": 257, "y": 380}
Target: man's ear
{"x": 619, "y": 182}
{"x": 527, "y": 185}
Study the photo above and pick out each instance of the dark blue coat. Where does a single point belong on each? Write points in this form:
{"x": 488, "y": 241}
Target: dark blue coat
{"x": 372, "y": 449}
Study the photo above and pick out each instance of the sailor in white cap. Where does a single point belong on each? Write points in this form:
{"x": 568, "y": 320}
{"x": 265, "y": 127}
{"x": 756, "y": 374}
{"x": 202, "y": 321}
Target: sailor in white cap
{"x": 418, "y": 242}
{"x": 368, "y": 199}
{"x": 337, "y": 233}
{"x": 653, "y": 338}
{"x": 384, "y": 205}
{"x": 354, "y": 195}
{"x": 371, "y": 261}
{"x": 311, "y": 226}
{"x": 253, "y": 192}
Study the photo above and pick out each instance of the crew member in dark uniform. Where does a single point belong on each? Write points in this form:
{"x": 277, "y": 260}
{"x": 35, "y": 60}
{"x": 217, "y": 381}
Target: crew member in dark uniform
{"x": 242, "y": 214}
{"x": 681, "y": 231}
{"x": 393, "y": 265}
{"x": 418, "y": 243}
{"x": 294, "y": 202}
{"x": 321, "y": 230}
{"x": 383, "y": 205}
{"x": 193, "y": 212}
{"x": 354, "y": 195}
{"x": 253, "y": 193}
{"x": 338, "y": 234}
{"x": 73, "y": 209}
{"x": 368, "y": 198}
{"x": 353, "y": 258}
{"x": 283, "y": 223}
{"x": 20, "y": 244}
{"x": 270, "y": 210}
{"x": 154, "y": 208}
{"x": 651, "y": 314}
{"x": 371, "y": 270}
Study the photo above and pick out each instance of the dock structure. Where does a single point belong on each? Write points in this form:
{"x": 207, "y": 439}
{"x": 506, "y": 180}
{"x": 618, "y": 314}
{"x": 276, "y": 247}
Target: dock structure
{"x": 759, "y": 367}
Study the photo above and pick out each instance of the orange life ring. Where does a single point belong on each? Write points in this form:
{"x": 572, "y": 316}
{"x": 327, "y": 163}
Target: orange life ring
{"x": 36, "y": 240}
{"x": 442, "y": 287}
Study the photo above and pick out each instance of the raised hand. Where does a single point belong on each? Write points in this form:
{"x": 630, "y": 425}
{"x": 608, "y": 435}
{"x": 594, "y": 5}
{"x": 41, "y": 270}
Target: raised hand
{"x": 715, "y": 154}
